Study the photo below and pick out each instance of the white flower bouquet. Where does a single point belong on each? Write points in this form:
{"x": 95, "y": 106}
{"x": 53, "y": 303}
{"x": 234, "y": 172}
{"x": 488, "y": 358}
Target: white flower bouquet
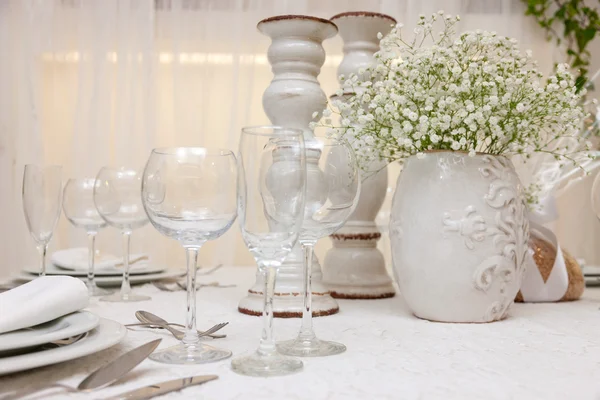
{"x": 475, "y": 92}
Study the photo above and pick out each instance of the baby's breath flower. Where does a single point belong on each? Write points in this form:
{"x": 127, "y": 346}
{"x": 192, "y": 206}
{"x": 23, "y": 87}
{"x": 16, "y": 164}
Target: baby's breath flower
{"x": 473, "y": 92}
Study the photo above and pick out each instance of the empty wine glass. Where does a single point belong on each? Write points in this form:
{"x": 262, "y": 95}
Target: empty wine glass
{"x": 332, "y": 195}
{"x": 271, "y": 190}
{"x": 189, "y": 194}
{"x": 118, "y": 201}
{"x": 42, "y": 197}
{"x": 79, "y": 208}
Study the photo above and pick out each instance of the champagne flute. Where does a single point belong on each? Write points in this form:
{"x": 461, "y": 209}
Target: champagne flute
{"x": 271, "y": 191}
{"x": 42, "y": 197}
{"x": 334, "y": 195}
{"x": 118, "y": 201}
{"x": 79, "y": 208}
{"x": 189, "y": 194}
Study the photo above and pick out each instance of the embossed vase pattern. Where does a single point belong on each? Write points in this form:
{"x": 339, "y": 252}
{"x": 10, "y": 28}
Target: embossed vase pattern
{"x": 459, "y": 235}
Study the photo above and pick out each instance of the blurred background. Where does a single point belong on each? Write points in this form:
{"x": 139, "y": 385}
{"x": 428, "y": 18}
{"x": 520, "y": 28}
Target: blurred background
{"x": 87, "y": 83}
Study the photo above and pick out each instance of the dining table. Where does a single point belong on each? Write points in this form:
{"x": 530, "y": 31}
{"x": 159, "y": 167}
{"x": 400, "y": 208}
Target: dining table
{"x": 541, "y": 351}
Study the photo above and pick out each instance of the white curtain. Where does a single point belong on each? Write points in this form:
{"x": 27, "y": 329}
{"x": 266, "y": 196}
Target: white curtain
{"x": 87, "y": 83}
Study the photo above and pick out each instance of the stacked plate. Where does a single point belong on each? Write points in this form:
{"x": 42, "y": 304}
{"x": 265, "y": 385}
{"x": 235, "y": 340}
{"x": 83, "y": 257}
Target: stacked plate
{"x": 591, "y": 274}
{"x": 108, "y": 269}
{"x": 71, "y": 336}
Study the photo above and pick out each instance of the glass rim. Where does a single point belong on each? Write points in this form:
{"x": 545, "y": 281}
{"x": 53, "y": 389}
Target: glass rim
{"x": 205, "y": 151}
{"x": 275, "y": 130}
{"x": 42, "y": 166}
{"x": 86, "y": 179}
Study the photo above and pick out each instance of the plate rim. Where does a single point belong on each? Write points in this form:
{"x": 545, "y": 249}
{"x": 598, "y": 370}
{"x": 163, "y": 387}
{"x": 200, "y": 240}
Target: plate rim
{"x": 91, "y": 344}
{"x": 52, "y": 269}
{"x": 115, "y": 281}
{"x": 56, "y": 335}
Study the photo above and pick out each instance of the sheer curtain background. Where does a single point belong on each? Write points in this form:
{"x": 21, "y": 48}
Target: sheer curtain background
{"x": 87, "y": 83}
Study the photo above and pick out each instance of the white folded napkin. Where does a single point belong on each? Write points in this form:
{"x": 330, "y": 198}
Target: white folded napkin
{"x": 77, "y": 259}
{"x": 41, "y": 300}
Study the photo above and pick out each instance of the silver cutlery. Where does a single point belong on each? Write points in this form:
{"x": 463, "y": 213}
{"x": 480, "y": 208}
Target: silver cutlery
{"x": 199, "y": 286}
{"x": 46, "y": 346}
{"x": 117, "y": 368}
{"x": 149, "y": 318}
{"x": 209, "y": 332}
{"x": 161, "y": 388}
{"x": 69, "y": 340}
{"x": 164, "y": 286}
{"x": 178, "y": 286}
{"x": 210, "y": 271}
{"x": 103, "y": 376}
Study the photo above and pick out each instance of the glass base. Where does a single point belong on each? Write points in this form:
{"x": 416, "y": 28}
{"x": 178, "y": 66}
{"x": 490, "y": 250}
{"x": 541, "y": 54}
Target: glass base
{"x": 124, "y": 298}
{"x": 266, "y": 365}
{"x": 310, "y": 347}
{"x": 190, "y": 354}
{"x": 94, "y": 290}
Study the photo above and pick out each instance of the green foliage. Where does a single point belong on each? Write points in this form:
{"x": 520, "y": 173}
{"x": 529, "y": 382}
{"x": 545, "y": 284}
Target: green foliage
{"x": 580, "y": 24}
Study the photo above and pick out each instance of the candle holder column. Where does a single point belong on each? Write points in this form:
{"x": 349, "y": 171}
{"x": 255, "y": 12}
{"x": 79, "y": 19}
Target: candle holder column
{"x": 354, "y": 268}
{"x": 296, "y": 55}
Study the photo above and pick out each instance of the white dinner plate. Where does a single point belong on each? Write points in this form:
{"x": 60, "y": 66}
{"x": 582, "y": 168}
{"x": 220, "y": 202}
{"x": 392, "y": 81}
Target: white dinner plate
{"x": 106, "y": 334}
{"x": 52, "y": 269}
{"x": 60, "y": 328}
{"x": 113, "y": 281}
{"x": 76, "y": 259}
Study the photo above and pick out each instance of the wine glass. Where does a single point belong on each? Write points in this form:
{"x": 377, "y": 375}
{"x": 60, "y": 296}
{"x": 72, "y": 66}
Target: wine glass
{"x": 118, "y": 201}
{"x": 332, "y": 195}
{"x": 79, "y": 208}
{"x": 189, "y": 194}
{"x": 271, "y": 191}
{"x": 42, "y": 196}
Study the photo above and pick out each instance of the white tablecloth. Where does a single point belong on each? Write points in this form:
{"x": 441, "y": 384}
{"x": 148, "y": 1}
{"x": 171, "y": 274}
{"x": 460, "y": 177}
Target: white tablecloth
{"x": 542, "y": 351}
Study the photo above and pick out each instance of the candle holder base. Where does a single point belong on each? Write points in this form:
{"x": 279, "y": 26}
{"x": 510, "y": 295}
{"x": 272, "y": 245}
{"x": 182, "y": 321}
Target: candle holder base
{"x": 355, "y": 268}
{"x": 288, "y": 301}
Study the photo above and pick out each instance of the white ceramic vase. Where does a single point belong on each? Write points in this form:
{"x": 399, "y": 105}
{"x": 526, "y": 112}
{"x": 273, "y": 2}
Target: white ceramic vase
{"x": 459, "y": 235}
{"x": 296, "y": 55}
{"x": 354, "y": 268}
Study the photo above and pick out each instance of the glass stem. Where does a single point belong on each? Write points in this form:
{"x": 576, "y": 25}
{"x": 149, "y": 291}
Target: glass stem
{"x": 43, "y": 248}
{"x": 91, "y": 253}
{"x": 125, "y": 286}
{"x": 191, "y": 337}
{"x": 267, "y": 343}
{"x": 306, "y": 331}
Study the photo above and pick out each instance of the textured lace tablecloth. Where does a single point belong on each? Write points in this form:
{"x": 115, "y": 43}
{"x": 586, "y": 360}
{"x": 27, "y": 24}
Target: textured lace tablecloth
{"x": 542, "y": 351}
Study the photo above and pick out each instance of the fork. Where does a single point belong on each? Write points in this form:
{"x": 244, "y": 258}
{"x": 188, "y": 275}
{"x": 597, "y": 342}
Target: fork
{"x": 210, "y": 271}
{"x": 69, "y": 340}
{"x": 46, "y": 346}
{"x": 163, "y": 286}
{"x": 183, "y": 286}
{"x": 179, "y": 334}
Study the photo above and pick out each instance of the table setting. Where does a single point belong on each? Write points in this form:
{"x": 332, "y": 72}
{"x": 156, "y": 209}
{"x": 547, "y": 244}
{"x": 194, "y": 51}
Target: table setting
{"x": 465, "y": 233}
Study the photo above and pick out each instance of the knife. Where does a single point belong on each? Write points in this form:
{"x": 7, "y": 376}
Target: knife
{"x": 148, "y": 392}
{"x": 117, "y": 368}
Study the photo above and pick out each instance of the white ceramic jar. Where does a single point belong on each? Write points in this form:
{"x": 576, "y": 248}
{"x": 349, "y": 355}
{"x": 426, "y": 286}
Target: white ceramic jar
{"x": 459, "y": 235}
